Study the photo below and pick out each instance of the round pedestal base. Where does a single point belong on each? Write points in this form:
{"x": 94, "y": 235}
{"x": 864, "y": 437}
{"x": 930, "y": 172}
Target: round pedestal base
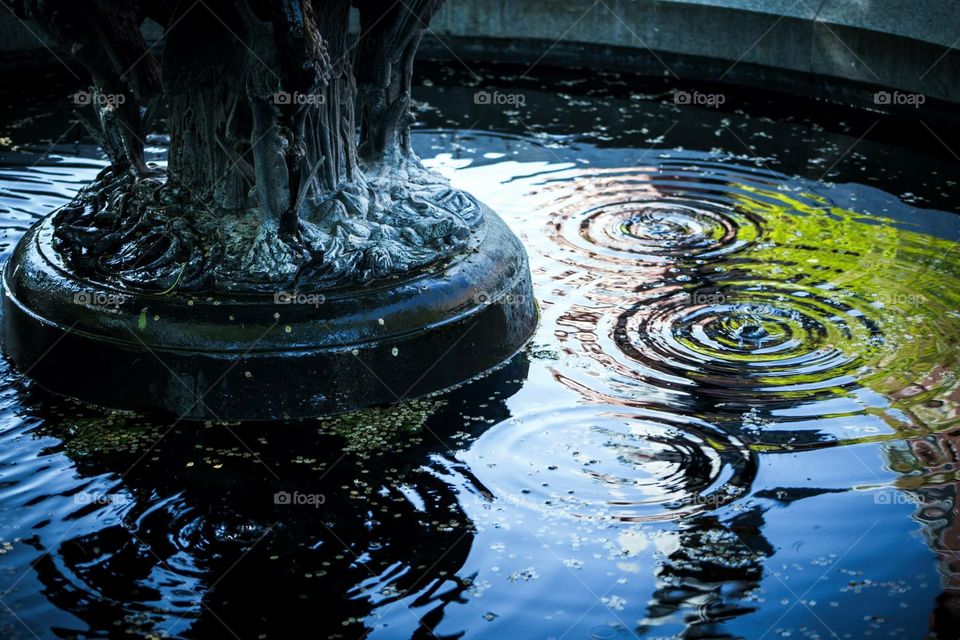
{"x": 291, "y": 354}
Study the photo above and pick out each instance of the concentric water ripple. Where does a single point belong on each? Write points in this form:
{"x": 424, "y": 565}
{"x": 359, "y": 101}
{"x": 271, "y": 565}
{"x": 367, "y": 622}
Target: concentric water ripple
{"x": 658, "y": 230}
{"x": 629, "y": 465}
{"x": 634, "y": 218}
{"x": 759, "y": 339}
{"x": 719, "y": 281}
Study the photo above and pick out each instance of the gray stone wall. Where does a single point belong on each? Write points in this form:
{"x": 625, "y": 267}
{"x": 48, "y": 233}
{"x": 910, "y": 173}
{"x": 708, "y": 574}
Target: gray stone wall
{"x": 906, "y": 45}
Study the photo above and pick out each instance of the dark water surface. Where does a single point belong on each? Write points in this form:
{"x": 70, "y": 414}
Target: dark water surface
{"x": 736, "y": 420}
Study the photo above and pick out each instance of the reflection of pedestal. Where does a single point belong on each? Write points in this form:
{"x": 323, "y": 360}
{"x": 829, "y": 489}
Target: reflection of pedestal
{"x": 260, "y": 357}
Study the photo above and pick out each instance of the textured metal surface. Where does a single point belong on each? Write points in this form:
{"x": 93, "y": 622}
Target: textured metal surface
{"x": 261, "y": 357}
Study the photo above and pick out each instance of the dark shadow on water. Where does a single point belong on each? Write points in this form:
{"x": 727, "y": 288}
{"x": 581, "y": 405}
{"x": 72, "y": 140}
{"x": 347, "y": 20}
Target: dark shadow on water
{"x": 215, "y": 531}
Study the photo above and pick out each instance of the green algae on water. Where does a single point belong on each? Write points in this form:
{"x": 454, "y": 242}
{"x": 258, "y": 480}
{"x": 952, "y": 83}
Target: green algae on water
{"x": 381, "y": 428}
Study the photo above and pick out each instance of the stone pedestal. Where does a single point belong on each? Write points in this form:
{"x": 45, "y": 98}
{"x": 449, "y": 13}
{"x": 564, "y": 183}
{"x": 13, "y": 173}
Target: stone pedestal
{"x": 289, "y": 354}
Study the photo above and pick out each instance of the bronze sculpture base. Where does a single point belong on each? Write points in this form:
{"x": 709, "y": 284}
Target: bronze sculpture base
{"x": 292, "y": 354}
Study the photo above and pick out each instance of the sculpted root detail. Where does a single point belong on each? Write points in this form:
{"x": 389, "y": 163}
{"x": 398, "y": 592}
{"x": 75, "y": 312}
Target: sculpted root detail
{"x": 289, "y": 164}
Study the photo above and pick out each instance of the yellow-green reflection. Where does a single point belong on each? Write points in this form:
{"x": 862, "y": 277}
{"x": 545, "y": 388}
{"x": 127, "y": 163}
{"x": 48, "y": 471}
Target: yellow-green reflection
{"x": 883, "y": 296}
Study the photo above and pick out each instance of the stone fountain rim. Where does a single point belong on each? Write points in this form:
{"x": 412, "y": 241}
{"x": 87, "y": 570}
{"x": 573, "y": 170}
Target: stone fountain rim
{"x": 355, "y": 312}
{"x": 477, "y": 312}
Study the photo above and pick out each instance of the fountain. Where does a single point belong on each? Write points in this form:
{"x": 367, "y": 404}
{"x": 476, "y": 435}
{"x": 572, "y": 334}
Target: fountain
{"x": 294, "y": 257}
{"x": 738, "y": 416}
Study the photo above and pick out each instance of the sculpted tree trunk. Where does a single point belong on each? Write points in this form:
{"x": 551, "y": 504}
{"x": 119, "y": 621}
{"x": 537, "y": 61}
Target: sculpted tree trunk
{"x": 269, "y": 182}
{"x": 390, "y": 36}
{"x": 289, "y": 184}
